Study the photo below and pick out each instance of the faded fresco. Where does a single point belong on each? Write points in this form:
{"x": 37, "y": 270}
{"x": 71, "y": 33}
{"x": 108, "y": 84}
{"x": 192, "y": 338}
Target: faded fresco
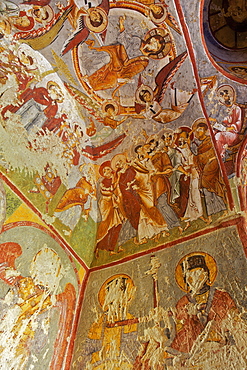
{"x": 123, "y": 143}
{"x": 181, "y": 308}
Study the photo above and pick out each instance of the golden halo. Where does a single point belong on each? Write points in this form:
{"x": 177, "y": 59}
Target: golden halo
{"x": 157, "y": 19}
{"x": 113, "y": 103}
{"x": 197, "y": 121}
{"x": 132, "y": 152}
{"x": 102, "y": 291}
{"x": 229, "y": 88}
{"x": 26, "y": 52}
{"x": 116, "y": 158}
{"x": 210, "y": 262}
{"x": 139, "y": 90}
{"x": 166, "y": 44}
{"x": 102, "y": 26}
{"x": 50, "y": 13}
{"x": 53, "y": 83}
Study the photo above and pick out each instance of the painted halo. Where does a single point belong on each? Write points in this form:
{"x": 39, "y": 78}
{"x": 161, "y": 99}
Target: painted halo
{"x": 167, "y": 43}
{"x": 102, "y": 291}
{"x": 197, "y": 121}
{"x": 49, "y": 11}
{"x": 116, "y": 158}
{"x": 157, "y": 18}
{"x": 103, "y": 166}
{"x": 96, "y": 29}
{"x": 231, "y": 90}
{"x": 53, "y": 83}
{"x": 210, "y": 262}
{"x": 113, "y": 103}
{"x": 139, "y": 90}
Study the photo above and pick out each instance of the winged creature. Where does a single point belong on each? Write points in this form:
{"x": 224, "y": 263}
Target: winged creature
{"x": 149, "y": 100}
{"x": 91, "y": 20}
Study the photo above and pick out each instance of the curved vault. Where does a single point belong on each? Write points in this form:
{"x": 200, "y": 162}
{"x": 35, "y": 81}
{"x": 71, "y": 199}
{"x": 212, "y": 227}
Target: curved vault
{"x": 123, "y": 174}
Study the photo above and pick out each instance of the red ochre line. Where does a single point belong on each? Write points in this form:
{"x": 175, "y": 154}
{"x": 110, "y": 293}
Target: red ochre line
{"x": 78, "y": 310}
{"x": 63, "y": 244}
{"x": 236, "y": 221}
{"x": 197, "y": 78}
{"x": 242, "y": 231}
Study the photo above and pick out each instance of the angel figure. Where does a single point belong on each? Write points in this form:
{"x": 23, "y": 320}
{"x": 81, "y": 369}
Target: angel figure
{"x": 119, "y": 70}
{"x": 94, "y": 20}
{"x": 152, "y": 99}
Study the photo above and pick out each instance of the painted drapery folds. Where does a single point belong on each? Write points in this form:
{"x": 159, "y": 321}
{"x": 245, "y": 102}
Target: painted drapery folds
{"x": 123, "y": 184}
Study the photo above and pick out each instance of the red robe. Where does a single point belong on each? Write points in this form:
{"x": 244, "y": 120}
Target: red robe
{"x": 131, "y": 200}
{"x": 192, "y": 327}
{"x": 41, "y": 96}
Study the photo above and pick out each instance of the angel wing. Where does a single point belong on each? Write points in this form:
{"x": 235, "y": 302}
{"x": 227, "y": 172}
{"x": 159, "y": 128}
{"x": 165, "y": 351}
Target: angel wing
{"x": 82, "y": 32}
{"x": 105, "y": 5}
{"x": 171, "y": 21}
{"x": 86, "y": 102}
{"x": 139, "y": 107}
{"x": 166, "y": 74}
{"x": 79, "y": 36}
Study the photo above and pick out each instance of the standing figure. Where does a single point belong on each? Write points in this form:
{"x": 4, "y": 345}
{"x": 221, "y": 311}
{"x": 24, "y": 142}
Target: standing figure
{"x": 179, "y": 179}
{"x": 193, "y": 209}
{"x": 110, "y": 209}
{"x": 210, "y": 180}
{"x": 129, "y": 198}
{"x": 113, "y": 333}
{"x": 161, "y": 184}
{"x": 152, "y": 222}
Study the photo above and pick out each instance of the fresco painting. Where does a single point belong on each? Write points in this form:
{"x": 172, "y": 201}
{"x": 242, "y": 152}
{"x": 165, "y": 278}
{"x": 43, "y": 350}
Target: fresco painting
{"x": 191, "y": 318}
{"x": 123, "y": 184}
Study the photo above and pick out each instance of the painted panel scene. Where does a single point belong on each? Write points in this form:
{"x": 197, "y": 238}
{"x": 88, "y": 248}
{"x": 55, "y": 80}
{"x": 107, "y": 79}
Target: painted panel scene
{"x": 123, "y": 184}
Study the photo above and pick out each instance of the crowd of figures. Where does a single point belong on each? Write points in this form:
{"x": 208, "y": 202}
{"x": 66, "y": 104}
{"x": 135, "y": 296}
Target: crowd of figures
{"x": 172, "y": 180}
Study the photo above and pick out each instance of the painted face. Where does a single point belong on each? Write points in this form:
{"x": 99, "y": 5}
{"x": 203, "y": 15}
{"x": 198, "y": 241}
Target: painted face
{"x": 153, "y": 45}
{"x": 196, "y": 279}
{"x": 146, "y": 96}
{"x": 226, "y": 97}
{"x": 54, "y": 93}
{"x": 200, "y": 132}
{"x": 182, "y": 141}
{"x": 157, "y": 9}
{"x": 24, "y": 59}
{"x": 168, "y": 140}
{"x": 22, "y": 21}
{"x": 95, "y": 16}
{"x": 110, "y": 111}
{"x": 107, "y": 172}
{"x": 120, "y": 163}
